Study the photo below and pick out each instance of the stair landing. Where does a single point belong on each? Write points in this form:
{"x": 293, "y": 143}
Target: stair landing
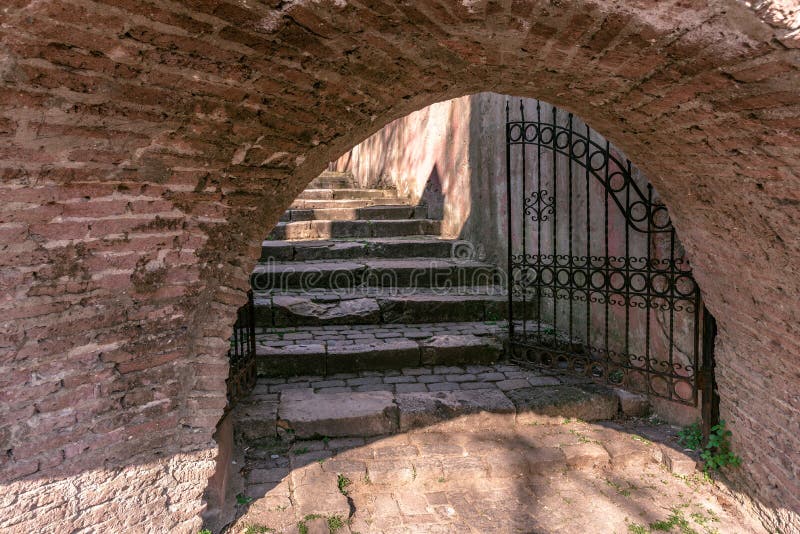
{"x": 481, "y": 450}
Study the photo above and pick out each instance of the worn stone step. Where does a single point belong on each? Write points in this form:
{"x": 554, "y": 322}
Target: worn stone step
{"x": 398, "y": 247}
{"x": 297, "y": 352}
{"x": 331, "y": 180}
{"x": 354, "y": 229}
{"x": 380, "y": 306}
{"x": 387, "y": 273}
{"x": 386, "y": 403}
{"x": 345, "y": 194}
{"x": 305, "y": 204}
{"x": 370, "y": 213}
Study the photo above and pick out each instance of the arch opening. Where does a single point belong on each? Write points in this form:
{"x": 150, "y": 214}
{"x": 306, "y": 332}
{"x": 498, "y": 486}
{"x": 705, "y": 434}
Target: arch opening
{"x": 342, "y": 276}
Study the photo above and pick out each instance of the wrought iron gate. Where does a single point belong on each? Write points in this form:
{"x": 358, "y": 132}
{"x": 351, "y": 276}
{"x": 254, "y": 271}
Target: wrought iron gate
{"x": 598, "y": 281}
{"x": 242, "y": 354}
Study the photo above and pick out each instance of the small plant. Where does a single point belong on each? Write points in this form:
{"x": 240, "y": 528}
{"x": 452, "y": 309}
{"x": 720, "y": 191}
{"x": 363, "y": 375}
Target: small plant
{"x": 301, "y": 450}
{"x": 335, "y": 523}
{"x": 204, "y": 531}
{"x": 243, "y": 499}
{"x": 342, "y": 481}
{"x": 691, "y": 437}
{"x": 441, "y": 480}
{"x": 641, "y": 439}
{"x": 625, "y": 492}
{"x": 258, "y": 529}
{"x": 302, "y": 528}
{"x": 636, "y": 528}
{"x": 367, "y": 480}
{"x": 717, "y": 452}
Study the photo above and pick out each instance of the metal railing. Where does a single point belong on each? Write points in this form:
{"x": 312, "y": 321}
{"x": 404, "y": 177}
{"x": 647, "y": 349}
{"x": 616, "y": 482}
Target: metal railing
{"x": 242, "y": 354}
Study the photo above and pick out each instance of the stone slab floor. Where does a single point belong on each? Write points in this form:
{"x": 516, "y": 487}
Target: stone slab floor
{"x": 479, "y": 474}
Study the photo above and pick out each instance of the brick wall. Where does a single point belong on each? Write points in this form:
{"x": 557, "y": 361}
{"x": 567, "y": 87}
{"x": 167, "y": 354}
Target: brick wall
{"x": 147, "y": 146}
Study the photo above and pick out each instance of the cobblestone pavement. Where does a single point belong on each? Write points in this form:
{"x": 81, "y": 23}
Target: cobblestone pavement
{"x": 332, "y": 335}
{"x": 496, "y": 469}
{"x": 502, "y": 376}
{"x": 572, "y": 477}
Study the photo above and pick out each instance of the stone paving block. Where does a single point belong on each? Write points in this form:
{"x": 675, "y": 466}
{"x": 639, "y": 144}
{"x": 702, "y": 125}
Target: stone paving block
{"x": 373, "y": 356}
{"x": 412, "y": 503}
{"x": 443, "y": 386}
{"x": 399, "y": 379}
{"x": 460, "y": 349}
{"x": 515, "y": 383}
{"x": 463, "y": 377}
{"x": 678, "y": 462}
{"x": 317, "y": 492}
{"x": 364, "y": 380}
{"x": 632, "y": 404}
{"x": 264, "y": 476}
{"x": 293, "y": 310}
{"x": 507, "y": 464}
{"x": 424, "y": 409}
{"x": 465, "y": 468}
{"x": 543, "y": 381}
{"x": 428, "y": 379}
{"x": 426, "y": 308}
{"x": 624, "y": 451}
{"x": 291, "y": 360}
{"x": 353, "y": 469}
{"x": 340, "y": 389}
{"x": 312, "y": 414}
{"x": 477, "y": 385}
{"x": 555, "y": 403}
{"x": 390, "y": 471}
{"x": 376, "y": 387}
{"x": 428, "y": 469}
{"x": 491, "y": 376}
{"x": 256, "y": 421}
{"x": 544, "y": 460}
{"x": 585, "y": 455}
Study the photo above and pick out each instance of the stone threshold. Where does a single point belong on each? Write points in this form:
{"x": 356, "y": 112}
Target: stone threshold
{"x": 381, "y": 403}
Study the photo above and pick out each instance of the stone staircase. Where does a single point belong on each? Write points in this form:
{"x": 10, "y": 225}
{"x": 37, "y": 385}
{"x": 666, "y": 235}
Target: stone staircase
{"x": 383, "y": 403}
{"x": 357, "y": 280}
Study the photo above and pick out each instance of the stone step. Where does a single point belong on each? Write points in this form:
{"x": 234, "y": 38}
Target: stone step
{"x": 374, "y": 213}
{"x": 346, "y": 194}
{"x": 332, "y": 180}
{"x": 388, "y": 273}
{"x": 373, "y": 404}
{"x": 354, "y": 229}
{"x": 380, "y": 306}
{"x": 306, "y": 204}
{"x": 410, "y": 247}
{"x": 331, "y": 350}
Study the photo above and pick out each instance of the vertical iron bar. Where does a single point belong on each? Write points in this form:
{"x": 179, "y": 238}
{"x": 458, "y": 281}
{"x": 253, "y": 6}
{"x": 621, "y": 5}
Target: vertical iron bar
{"x": 672, "y": 281}
{"x": 539, "y": 221}
{"x": 510, "y": 243}
{"x": 648, "y": 367}
{"x": 525, "y": 263}
{"x": 629, "y": 179}
{"x": 555, "y": 228}
{"x": 696, "y": 370}
{"x": 710, "y": 408}
{"x": 607, "y": 160}
{"x": 588, "y": 238}
{"x": 570, "y": 262}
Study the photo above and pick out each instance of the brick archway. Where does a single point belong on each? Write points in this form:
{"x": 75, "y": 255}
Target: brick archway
{"x": 147, "y": 147}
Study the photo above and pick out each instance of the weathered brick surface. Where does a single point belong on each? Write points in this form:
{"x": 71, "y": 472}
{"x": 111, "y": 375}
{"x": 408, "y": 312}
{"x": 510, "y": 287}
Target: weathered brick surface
{"x": 147, "y": 146}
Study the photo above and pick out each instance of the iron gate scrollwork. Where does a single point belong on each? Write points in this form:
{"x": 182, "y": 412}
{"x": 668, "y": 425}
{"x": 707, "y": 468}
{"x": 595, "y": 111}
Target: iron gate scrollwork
{"x": 598, "y": 281}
